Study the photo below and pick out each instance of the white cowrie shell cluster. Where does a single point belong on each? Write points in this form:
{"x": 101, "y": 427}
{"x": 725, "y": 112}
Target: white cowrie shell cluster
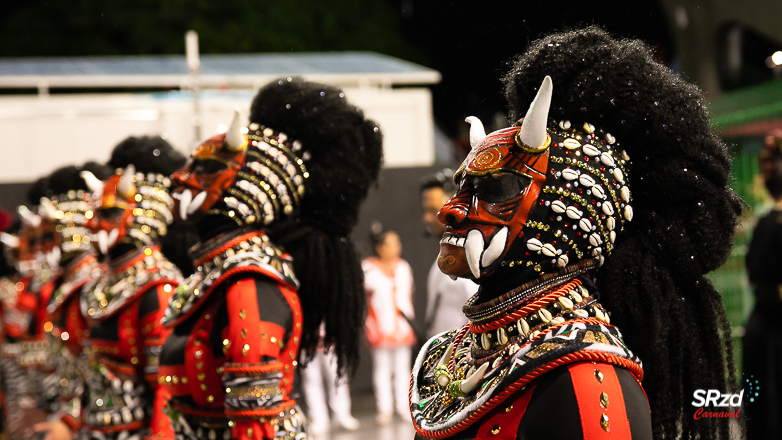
{"x": 570, "y": 174}
{"x": 586, "y": 180}
{"x": 571, "y": 144}
{"x": 534, "y": 244}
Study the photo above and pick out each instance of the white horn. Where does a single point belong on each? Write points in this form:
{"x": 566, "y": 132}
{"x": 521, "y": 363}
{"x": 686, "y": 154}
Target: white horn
{"x": 48, "y": 208}
{"x": 234, "y": 139}
{"x": 477, "y": 132}
{"x": 125, "y": 184}
{"x": 29, "y": 217}
{"x": 533, "y": 129}
{"x": 471, "y": 382}
{"x": 93, "y": 183}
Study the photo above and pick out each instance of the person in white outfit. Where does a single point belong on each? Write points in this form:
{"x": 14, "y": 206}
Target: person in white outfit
{"x": 389, "y": 283}
{"x": 444, "y": 296}
{"x": 325, "y": 364}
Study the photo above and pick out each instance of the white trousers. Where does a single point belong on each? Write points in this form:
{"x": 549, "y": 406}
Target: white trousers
{"x": 391, "y": 371}
{"x": 325, "y": 364}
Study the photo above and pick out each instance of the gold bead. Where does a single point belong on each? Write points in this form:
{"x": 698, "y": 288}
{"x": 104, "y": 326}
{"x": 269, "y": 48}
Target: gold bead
{"x": 249, "y": 432}
{"x": 599, "y": 376}
{"x": 604, "y": 399}
{"x": 210, "y": 399}
{"x": 184, "y": 380}
{"x": 495, "y": 429}
{"x": 242, "y": 314}
{"x": 246, "y": 348}
{"x": 244, "y": 333}
{"x": 604, "y": 422}
{"x": 273, "y": 340}
{"x": 201, "y": 376}
{"x": 203, "y": 387}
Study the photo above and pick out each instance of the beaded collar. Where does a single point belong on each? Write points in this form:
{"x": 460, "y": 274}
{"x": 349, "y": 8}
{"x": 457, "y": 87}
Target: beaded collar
{"x": 241, "y": 250}
{"x": 554, "y": 320}
{"x": 84, "y": 268}
{"x": 128, "y": 277}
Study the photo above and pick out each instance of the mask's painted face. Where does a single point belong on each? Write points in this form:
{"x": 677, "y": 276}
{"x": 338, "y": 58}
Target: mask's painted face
{"x": 539, "y": 196}
{"x": 250, "y": 177}
{"x": 498, "y": 185}
{"x": 130, "y": 208}
{"x": 212, "y": 169}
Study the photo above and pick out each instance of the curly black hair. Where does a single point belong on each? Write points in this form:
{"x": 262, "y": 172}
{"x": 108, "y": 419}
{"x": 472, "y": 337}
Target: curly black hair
{"x": 153, "y": 154}
{"x": 68, "y": 178}
{"x": 685, "y": 213}
{"x": 343, "y": 152}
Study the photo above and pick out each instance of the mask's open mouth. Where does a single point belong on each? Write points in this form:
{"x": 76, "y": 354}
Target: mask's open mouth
{"x": 188, "y": 204}
{"x": 477, "y": 254}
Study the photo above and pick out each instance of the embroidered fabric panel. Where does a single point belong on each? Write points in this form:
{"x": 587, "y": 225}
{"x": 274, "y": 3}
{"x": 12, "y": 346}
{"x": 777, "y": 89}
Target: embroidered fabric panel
{"x": 439, "y": 412}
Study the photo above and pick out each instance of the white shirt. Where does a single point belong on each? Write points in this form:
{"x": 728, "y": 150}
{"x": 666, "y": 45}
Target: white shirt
{"x": 448, "y": 296}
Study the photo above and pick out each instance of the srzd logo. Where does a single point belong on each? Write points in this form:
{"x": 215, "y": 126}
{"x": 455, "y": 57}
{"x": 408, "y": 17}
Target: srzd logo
{"x": 716, "y": 399}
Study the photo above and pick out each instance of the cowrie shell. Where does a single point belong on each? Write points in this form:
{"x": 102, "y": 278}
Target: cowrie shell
{"x": 558, "y": 207}
{"x": 545, "y": 315}
{"x": 611, "y": 223}
{"x": 581, "y": 313}
{"x": 624, "y": 193}
{"x": 597, "y": 251}
{"x": 570, "y": 174}
{"x": 571, "y": 144}
{"x": 522, "y": 327}
{"x": 549, "y": 250}
{"x": 591, "y": 150}
{"x": 586, "y": 180}
{"x": 564, "y": 124}
{"x": 629, "y": 213}
{"x": 594, "y": 239}
{"x": 589, "y": 128}
{"x": 573, "y": 213}
{"x": 562, "y": 260}
{"x": 608, "y": 209}
{"x": 610, "y": 139}
{"x": 618, "y": 175}
{"x": 585, "y": 224}
{"x": 534, "y": 244}
{"x": 566, "y": 303}
{"x": 485, "y": 342}
{"x": 502, "y": 336}
{"x": 607, "y": 159}
{"x": 598, "y": 192}
{"x": 612, "y": 236}
{"x": 625, "y": 156}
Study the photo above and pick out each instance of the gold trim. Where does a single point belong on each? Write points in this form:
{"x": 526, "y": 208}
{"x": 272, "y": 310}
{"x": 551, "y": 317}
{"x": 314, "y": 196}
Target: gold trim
{"x": 530, "y": 149}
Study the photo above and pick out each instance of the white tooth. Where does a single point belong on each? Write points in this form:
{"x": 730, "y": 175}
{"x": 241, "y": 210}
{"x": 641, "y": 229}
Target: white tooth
{"x": 452, "y": 240}
{"x": 460, "y": 241}
{"x": 534, "y": 244}
{"x": 608, "y": 209}
{"x": 184, "y": 203}
{"x": 558, "y": 207}
{"x": 112, "y": 237}
{"x": 103, "y": 241}
{"x": 473, "y": 380}
{"x": 473, "y": 247}
{"x": 495, "y": 248}
{"x": 198, "y": 200}
{"x": 573, "y": 212}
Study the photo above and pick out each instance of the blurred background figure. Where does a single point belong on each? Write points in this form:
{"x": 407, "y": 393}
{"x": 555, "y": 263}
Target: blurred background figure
{"x": 389, "y": 283}
{"x": 445, "y": 296}
{"x": 763, "y": 338}
{"x": 324, "y": 363}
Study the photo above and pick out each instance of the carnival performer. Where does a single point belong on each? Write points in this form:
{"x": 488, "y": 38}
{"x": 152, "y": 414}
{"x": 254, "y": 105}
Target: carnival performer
{"x": 294, "y": 181}
{"x": 388, "y": 280}
{"x": 762, "y": 342}
{"x": 26, "y": 349}
{"x": 444, "y": 295}
{"x": 604, "y": 206}
{"x": 67, "y": 205}
{"x": 131, "y": 210}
